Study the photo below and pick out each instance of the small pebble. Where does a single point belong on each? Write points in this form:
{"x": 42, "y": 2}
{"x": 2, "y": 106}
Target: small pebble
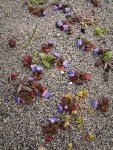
{"x": 70, "y": 83}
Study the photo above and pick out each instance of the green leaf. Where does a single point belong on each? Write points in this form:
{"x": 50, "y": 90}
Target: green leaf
{"x": 42, "y": 56}
{"x": 35, "y": 61}
{"x": 34, "y": 52}
{"x": 32, "y": 2}
{"x": 98, "y": 31}
{"x": 79, "y": 120}
{"x": 49, "y": 57}
{"x": 46, "y": 63}
{"x": 107, "y": 55}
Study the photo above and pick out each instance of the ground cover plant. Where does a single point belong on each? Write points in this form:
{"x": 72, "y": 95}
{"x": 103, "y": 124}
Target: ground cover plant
{"x": 52, "y": 94}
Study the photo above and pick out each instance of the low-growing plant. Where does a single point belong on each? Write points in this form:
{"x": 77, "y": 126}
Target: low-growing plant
{"x": 78, "y": 77}
{"x": 105, "y": 59}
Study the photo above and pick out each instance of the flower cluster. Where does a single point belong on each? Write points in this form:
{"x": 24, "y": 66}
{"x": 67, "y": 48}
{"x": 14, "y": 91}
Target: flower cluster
{"x": 39, "y": 11}
{"x": 102, "y": 104}
{"x": 64, "y": 26}
{"x": 60, "y": 6}
{"x": 84, "y": 44}
{"x": 28, "y": 90}
{"x": 67, "y": 108}
{"x": 55, "y": 123}
{"x": 87, "y": 18}
{"x": 46, "y": 47}
{"x": 106, "y": 60}
{"x": 78, "y": 77}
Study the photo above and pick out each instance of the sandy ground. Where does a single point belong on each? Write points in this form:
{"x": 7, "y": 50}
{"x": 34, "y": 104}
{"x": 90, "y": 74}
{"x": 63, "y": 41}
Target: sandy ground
{"x": 21, "y": 125}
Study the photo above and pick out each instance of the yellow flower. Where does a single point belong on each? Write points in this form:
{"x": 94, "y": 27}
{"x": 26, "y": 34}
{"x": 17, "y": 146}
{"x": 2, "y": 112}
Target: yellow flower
{"x": 67, "y": 118}
{"x": 66, "y": 124}
{"x": 85, "y": 92}
{"x": 74, "y": 112}
{"x": 69, "y": 146}
{"x": 79, "y": 93}
{"x": 69, "y": 95}
{"x": 91, "y": 136}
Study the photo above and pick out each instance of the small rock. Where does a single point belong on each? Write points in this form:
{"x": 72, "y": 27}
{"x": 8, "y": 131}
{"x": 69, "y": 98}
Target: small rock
{"x": 70, "y": 83}
{"x": 58, "y": 34}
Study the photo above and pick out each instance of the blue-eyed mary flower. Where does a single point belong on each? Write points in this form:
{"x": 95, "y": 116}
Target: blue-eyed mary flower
{"x": 54, "y": 8}
{"x": 60, "y": 23}
{"x": 71, "y": 73}
{"x": 79, "y": 42}
{"x": 53, "y": 119}
{"x": 59, "y": 108}
{"x": 65, "y": 64}
{"x": 67, "y": 9}
{"x": 95, "y": 51}
{"x": 94, "y": 103}
{"x": 46, "y": 94}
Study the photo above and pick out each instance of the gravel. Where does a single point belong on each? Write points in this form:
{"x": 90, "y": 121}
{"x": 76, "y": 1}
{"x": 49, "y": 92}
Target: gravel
{"x": 21, "y": 125}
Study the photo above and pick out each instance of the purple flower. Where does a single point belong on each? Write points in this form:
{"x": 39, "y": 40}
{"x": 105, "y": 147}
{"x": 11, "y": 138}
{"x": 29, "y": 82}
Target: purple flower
{"x": 94, "y": 103}
{"x": 31, "y": 79}
{"x": 44, "y": 13}
{"x": 65, "y": 27}
{"x": 36, "y": 67}
{"x": 50, "y": 41}
{"x": 39, "y": 67}
{"x": 46, "y": 94}
{"x": 18, "y": 99}
{"x": 53, "y": 119}
{"x": 60, "y": 5}
{"x": 54, "y": 8}
{"x": 65, "y": 64}
{"x": 83, "y": 48}
{"x": 95, "y": 51}
{"x": 67, "y": 10}
{"x": 71, "y": 73}
{"x": 59, "y": 108}
{"x": 60, "y": 23}
{"x": 79, "y": 42}
{"x": 65, "y": 107}
{"x": 56, "y": 54}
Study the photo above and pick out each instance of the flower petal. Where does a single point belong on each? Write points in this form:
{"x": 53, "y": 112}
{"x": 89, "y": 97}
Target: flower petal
{"x": 94, "y": 103}
{"x": 59, "y": 108}
{"x": 79, "y": 42}
{"x": 65, "y": 64}
{"x": 53, "y": 119}
{"x": 54, "y": 8}
{"x": 46, "y": 94}
{"x": 71, "y": 73}
{"x": 60, "y": 23}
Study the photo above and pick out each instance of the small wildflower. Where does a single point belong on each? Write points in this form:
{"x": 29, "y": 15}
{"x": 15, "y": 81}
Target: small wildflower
{"x": 54, "y": 8}
{"x": 67, "y": 9}
{"x": 59, "y": 108}
{"x": 65, "y": 27}
{"x": 44, "y": 13}
{"x": 65, "y": 64}
{"x": 94, "y": 103}
{"x": 46, "y": 94}
{"x": 53, "y": 119}
{"x": 56, "y": 54}
{"x": 95, "y": 51}
{"x": 79, "y": 42}
{"x": 71, "y": 73}
{"x": 60, "y": 23}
